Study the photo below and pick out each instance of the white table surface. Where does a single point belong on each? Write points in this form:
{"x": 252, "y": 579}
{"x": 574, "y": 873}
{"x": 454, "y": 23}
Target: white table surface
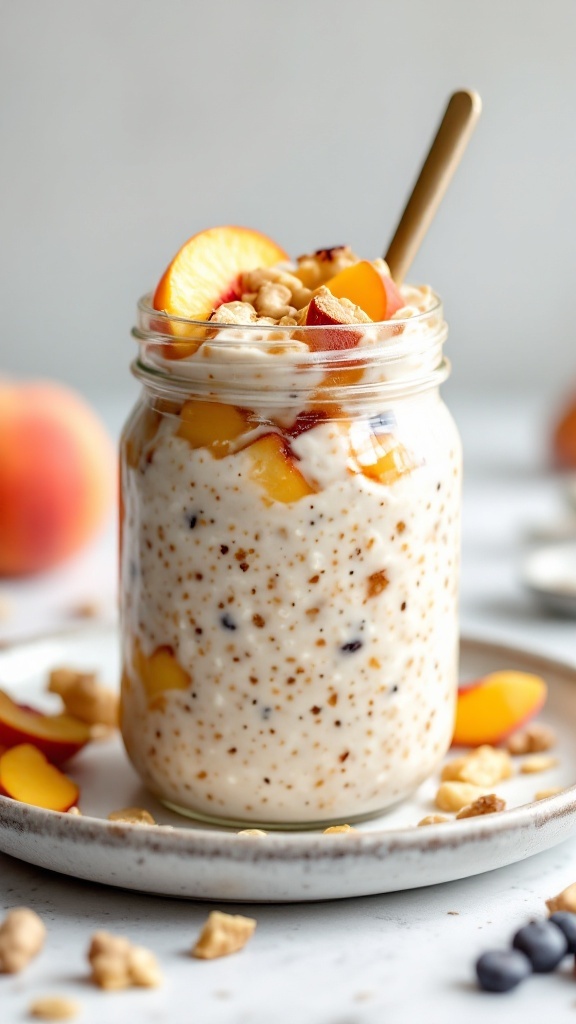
{"x": 391, "y": 959}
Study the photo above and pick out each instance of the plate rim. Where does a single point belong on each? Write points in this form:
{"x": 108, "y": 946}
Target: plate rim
{"x": 205, "y": 843}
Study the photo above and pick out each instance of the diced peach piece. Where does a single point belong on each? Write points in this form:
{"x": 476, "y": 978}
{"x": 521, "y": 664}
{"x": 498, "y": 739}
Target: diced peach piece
{"x": 275, "y": 470}
{"x": 325, "y": 310}
{"x": 366, "y": 287}
{"x": 159, "y": 672}
{"x": 494, "y": 707}
{"x": 58, "y": 737}
{"x": 206, "y": 272}
{"x": 564, "y": 437}
{"x": 26, "y": 775}
{"x": 211, "y": 425}
{"x": 380, "y": 456}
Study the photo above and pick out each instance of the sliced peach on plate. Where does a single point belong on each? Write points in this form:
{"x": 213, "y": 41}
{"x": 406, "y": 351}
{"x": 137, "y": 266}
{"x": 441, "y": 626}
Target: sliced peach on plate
{"x": 274, "y": 468}
{"x": 26, "y": 775}
{"x": 206, "y": 272}
{"x": 366, "y": 287}
{"x": 492, "y": 708}
{"x": 59, "y": 737}
{"x": 212, "y": 425}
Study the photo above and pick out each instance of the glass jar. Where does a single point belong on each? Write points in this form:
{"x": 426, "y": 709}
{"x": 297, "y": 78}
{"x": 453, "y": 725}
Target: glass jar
{"x": 289, "y": 567}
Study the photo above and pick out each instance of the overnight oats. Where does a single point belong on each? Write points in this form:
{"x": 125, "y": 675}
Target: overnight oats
{"x": 290, "y": 537}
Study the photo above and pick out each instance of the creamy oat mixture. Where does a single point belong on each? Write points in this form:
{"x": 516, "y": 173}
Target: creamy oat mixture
{"x": 291, "y": 661}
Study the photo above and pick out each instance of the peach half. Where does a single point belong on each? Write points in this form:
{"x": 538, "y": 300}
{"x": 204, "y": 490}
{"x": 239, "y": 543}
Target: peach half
{"x": 492, "y": 708}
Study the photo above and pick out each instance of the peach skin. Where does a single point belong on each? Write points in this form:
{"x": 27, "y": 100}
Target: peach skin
{"x": 27, "y": 776}
{"x": 489, "y": 710}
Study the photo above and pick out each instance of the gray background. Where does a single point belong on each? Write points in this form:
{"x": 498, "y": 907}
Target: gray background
{"x": 127, "y": 126}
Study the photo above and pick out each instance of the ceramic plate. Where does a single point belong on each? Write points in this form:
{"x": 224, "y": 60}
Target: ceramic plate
{"x": 549, "y": 573}
{"x": 203, "y": 862}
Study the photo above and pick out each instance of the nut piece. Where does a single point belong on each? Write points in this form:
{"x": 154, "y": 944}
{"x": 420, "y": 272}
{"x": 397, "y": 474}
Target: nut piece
{"x": 433, "y": 819}
{"x": 223, "y": 934}
{"x": 54, "y": 1008}
{"x": 132, "y": 816}
{"x": 538, "y": 763}
{"x": 74, "y": 811}
{"x": 565, "y": 900}
{"x": 234, "y": 313}
{"x": 117, "y": 964}
{"x": 84, "y": 697}
{"x": 317, "y": 268}
{"x": 542, "y": 794}
{"x": 483, "y": 805}
{"x": 337, "y": 829}
{"x": 252, "y": 832}
{"x": 22, "y": 935}
{"x": 484, "y": 767}
{"x": 453, "y": 796}
{"x": 534, "y": 739}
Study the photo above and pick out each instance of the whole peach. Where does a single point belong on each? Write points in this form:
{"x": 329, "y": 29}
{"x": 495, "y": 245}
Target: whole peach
{"x": 57, "y": 474}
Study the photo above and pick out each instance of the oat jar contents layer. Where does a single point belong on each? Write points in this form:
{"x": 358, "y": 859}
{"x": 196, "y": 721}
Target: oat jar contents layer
{"x": 290, "y": 537}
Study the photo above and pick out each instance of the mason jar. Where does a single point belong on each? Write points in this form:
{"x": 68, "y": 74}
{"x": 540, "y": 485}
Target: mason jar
{"x": 289, "y": 567}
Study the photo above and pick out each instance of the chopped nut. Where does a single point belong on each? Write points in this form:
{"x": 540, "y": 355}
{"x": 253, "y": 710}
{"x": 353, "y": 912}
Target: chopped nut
{"x": 453, "y": 796}
{"x": 489, "y": 804}
{"x": 74, "y": 811}
{"x": 538, "y": 763}
{"x": 252, "y": 832}
{"x": 132, "y": 816}
{"x": 534, "y": 739}
{"x": 234, "y": 313}
{"x": 223, "y": 934}
{"x": 274, "y": 300}
{"x": 565, "y": 900}
{"x": 22, "y": 935}
{"x": 542, "y": 794}
{"x": 117, "y": 964}
{"x": 317, "y": 268}
{"x": 338, "y": 829}
{"x": 482, "y": 767}
{"x": 84, "y": 697}
{"x": 54, "y": 1008}
{"x": 433, "y": 819}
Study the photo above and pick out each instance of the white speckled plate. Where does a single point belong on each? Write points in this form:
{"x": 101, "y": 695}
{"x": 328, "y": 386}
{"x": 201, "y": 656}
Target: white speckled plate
{"x": 203, "y": 862}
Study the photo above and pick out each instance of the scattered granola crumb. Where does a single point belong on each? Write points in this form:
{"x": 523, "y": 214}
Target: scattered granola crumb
{"x": 22, "y": 935}
{"x": 223, "y": 934}
{"x": 490, "y": 804}
{"x": 565, "y": 900}
{"x": 84, "y": 697}
{"x": 538, "y": 763}
{"x": 453, "y": 796}
{"x": 88, "y": 609}
{"x": 542, "y": 794}
{"x": 132, "y": 816}
{"x": 117, "y": 964}
{"x": 483, "y": 767}
{"x": 534, "y": 739}
{"x": 453, "y": 913}
{"x": 252, "y": 832}
{"x": 54, "y": 1008}
{"x": 433, "y": 819}
{"x": 75, "y": 811}
{"x": 338, "y": 829}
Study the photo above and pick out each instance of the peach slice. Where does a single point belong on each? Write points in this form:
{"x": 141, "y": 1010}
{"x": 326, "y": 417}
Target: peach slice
{"x": 26, "y": 775}
{"x": 212, "y": 425}
{"x": 206, "y": 272}
{"x": 58, "y": 737}
{"x": 366, "y": 287}
{"x": 564, "y": 437}
{"x": 380, "y": 456}
{"x": 492, "y": 708}
{"x": 159, "y": 672}
{"x": 274, "y": 469}
{"x": 325, "y": 310}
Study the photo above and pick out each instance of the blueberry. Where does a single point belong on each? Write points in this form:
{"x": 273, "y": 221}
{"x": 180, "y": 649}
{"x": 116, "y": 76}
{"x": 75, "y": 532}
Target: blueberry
{"x": 566, "y": 922}
{"x": 502, "y": 970}
{"x": 543, "y": 943}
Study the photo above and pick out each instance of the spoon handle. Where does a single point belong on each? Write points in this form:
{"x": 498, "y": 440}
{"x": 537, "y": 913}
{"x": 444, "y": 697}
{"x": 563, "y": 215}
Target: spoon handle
{"x": 452, "y": 137}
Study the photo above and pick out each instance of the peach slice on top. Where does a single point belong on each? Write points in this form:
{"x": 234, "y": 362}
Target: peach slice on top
{"x": 274, "y": 469}
{"x": 366, "y": 287}
{"x": 206, "y": 272}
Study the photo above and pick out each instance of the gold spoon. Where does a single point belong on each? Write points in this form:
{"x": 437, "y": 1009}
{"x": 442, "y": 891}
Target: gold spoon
{"x": 459, "y": 121}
